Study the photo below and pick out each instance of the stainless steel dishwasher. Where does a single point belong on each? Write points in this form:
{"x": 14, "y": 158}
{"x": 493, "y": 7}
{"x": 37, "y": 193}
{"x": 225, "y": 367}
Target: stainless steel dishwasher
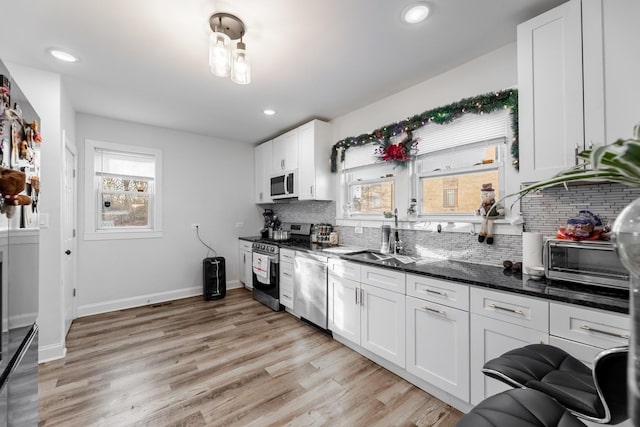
{"x": 310, "y": 299}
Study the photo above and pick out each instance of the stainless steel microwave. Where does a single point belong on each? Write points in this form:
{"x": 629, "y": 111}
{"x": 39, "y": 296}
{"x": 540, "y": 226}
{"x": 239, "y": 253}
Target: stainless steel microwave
{"x": 284, "y": 185}
{"x": 593, "y": 263}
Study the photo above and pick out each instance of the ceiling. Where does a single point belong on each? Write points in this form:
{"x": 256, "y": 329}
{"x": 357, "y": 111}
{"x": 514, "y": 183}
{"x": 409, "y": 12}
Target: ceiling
{"x": 146, "y": 61}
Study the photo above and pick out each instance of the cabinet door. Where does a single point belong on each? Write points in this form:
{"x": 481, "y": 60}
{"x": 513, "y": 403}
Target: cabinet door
{"x": 262, "y": 170}
{"x": 306, "y": 162}
{"x": 285, "y": 152}
{"x": 344, "y": 308}
{"x": 247, "y": 270}
{"x": 610, "y": 38}
{"x": 491, "y": 338}
{"x": 286, "y": 284}
{"x": 383, "y": 323}
{"x": 438, "y": 346}
{"x": 550, "y": 92}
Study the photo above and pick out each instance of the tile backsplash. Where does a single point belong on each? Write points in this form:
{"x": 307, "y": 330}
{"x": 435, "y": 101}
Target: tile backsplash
{"x": 543, "y": 212}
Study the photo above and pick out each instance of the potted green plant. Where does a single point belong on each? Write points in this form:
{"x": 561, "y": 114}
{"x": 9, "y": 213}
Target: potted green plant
{"x": 617, "y": 162}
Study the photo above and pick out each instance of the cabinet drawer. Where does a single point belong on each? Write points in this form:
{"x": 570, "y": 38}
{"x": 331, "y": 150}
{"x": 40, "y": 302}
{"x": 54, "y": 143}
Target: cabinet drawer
{"x": 519, "y": 310}
{"x": 589, "y": 326}
{"x": 286, "y": 272}
{"x": 286, "y": 293}
{"x": 444, "y": 292}
{"x": 244, "y": 245}
{"x": 287, "y": 255}
{"x": 382, "y": 278}
{"x": 341, "y": 268}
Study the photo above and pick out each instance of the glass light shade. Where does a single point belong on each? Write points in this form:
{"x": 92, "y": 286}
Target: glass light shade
{"x": 220, "y": 54}
{"x": 240, "y": 65}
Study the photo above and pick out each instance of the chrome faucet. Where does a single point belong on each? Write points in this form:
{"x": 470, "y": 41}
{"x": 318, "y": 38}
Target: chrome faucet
{"x": 397, "y": 244}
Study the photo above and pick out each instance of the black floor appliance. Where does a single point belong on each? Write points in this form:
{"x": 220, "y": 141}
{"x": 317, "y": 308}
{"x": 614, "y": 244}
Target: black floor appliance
{"x": 214, "y": 281}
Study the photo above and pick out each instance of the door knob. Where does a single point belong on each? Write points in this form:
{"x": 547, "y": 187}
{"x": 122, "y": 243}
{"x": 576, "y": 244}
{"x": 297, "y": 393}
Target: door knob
{"x": 68, "y": 252}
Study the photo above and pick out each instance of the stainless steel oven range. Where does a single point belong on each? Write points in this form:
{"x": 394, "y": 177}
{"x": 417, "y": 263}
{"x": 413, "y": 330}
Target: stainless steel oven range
{"x": 265, "y": 275}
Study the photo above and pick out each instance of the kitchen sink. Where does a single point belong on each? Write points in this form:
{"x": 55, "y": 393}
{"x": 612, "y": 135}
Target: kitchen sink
{"x": 376, "y": 256}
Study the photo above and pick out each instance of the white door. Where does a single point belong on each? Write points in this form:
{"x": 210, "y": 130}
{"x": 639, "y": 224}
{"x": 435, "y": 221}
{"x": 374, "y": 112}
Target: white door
{"x": 344, "y": 308}
{"x": 69, "y": 240}
{"x": 430, "y": 325}
{"x": 491, "y": 338}
{"x": 382, "y": 329}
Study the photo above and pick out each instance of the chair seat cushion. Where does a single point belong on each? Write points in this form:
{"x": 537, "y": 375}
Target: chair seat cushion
{"x": 519, "y": 408}
{"x": 552, "y": 371}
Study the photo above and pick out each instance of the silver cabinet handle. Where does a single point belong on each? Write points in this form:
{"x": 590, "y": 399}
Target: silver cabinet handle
{"x": 356, "y": 292}
{"x": 311, "y": 190}
{"x": 600, "y": 331}
{"x": 431, "y": 291}
{"x": 510, "y": 310}
{"x": 362, "y": 297}
{"x": 576, "y": 153}
{"x": 434, "y": 310}
{"x": 286, "y": 274}
{"x": 285, "y": 295}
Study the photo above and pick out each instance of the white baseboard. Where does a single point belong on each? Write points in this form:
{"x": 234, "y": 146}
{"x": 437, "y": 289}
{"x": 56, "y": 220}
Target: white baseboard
{"x": 51, "y": 352}
{"x": 123, "y": 303}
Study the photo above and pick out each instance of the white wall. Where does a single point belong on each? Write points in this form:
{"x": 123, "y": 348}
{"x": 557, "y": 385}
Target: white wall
{"x": 44, "y": 91}
{"x": 205, "y": 180}
{"x": 494, "y": 71}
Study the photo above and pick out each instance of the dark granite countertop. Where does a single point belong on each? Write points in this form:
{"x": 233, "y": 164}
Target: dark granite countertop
{"x": 492, "y": 277}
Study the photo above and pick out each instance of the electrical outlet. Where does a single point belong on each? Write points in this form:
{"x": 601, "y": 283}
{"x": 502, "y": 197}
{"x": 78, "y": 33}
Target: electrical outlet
{"x": 239, "y": 224}
{"x": 195, "y": 226}
{"x": 358, "y": 230}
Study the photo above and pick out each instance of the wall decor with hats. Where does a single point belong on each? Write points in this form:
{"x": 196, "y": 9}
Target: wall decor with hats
{"x": 20, "y": 141}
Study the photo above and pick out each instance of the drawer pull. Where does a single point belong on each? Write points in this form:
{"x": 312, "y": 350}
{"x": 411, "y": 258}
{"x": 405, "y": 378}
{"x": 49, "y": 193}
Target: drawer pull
{"x": 286, "y": 274}
{"x": 600, "y": 331}
{"x": 434, "y": 310}
{"x": 286, "y": 296}
{"x": 510, "y": 310}
{"x": 431, "y": 291}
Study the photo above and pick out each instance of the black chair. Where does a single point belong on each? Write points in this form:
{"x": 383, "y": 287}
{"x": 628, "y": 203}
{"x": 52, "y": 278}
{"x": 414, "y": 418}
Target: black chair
{"x": 598, "y": 395}
{"x": 519, "y": 408}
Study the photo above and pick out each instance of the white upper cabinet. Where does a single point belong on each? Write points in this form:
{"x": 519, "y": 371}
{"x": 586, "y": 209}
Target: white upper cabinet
{"x": 262, "y": 157}
{"x": 575, "y": 74}
{"x": 285, "y": 152}
{"x": 305, "y": 149}
{"x": 315, "y": 180}
{"x": 550, "y": 91}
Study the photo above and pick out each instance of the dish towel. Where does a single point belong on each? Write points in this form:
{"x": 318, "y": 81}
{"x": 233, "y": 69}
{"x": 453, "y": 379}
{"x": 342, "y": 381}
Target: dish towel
{"x": 261, "y": 264}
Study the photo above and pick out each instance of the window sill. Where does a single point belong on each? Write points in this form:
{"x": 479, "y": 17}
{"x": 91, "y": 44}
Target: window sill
{"x": 122, "y": 235}
{"x": 462, "y": 224}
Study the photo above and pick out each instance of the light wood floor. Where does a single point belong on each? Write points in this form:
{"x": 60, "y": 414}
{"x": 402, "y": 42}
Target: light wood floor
{"x": 227, "y": 362}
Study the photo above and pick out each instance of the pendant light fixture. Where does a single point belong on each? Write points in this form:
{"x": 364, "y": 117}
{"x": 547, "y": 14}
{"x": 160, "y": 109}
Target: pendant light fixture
{"x": 223, "y": 60}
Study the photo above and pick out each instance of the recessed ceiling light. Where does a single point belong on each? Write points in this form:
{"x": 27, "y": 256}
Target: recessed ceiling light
{"x": 62, "y": 55}
{"x": 415, "y": 13}
{"x": 269, "y": 112}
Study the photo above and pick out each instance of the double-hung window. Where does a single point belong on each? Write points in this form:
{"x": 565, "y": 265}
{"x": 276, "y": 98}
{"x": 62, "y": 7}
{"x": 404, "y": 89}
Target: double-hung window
{"x": 370, "y": 189}
{"x": 124, "y": 184}
{"x": 450, "y": 180}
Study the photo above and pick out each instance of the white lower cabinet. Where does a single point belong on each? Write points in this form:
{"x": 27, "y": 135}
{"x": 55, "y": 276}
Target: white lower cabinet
{"x": 286, "y": 277}
{"x": 491, "y": 338}
{"x": 382, "y": 325}
{"x": 501, "y": 322}
{"x": 369, "y": 316}
{"x": 344, "y": 308}
{"x": 245, "y": 270}
{"x": 438, "y": 345}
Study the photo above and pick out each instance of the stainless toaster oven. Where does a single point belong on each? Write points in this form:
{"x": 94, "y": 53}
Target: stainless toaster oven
{"x": 589, "y": 262}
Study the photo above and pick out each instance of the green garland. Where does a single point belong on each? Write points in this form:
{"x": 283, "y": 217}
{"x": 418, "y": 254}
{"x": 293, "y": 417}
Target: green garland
{"x": 486, "y": 103}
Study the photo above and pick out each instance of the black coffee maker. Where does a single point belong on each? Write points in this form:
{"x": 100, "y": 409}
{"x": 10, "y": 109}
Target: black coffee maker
{"x": 271, "y": 222}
